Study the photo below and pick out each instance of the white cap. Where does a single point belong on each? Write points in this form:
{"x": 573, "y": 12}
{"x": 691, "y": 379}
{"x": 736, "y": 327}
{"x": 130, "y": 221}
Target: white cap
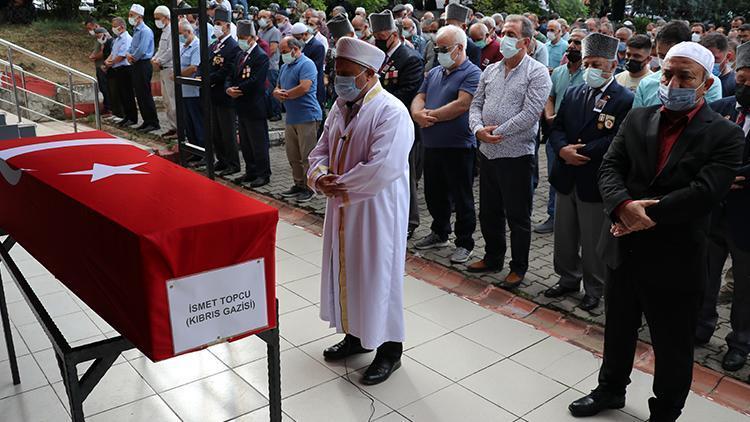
{"x": 137, "y": 8}
{"x": 299, "y": 28}
{"x": 693, "y": 51}
{"x": 360, "y": 52}
{"x": 162, "y": 10}
{"x": 359, "y": 10}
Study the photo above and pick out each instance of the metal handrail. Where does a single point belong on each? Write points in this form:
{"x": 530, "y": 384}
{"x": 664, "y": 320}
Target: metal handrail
{"x": 17, "y": 70}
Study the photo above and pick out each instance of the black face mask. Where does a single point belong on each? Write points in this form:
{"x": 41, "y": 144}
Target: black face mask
{"x": 742, "y": 95}
{"x": 574, "y": 56}
{"x": 633, "y": 66}
{"x": 382, "y": 44}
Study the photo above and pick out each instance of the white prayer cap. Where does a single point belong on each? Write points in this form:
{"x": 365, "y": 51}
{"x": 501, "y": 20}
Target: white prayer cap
{"x": 299, "y": 28}
{"x": 693, "y": 51}
{"x": 360, "y": 52}
{"x": 137, "y": 8}
{"x": 162, "y": 10}
{"x": 360, "y": 10}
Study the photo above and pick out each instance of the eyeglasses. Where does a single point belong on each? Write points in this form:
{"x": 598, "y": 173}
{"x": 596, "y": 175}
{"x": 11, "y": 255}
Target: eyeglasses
{"x": 576, "y": 42}
{"x": 445, "y": 49}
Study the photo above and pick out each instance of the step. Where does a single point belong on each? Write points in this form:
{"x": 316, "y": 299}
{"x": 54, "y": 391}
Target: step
{"x": 15, "y": 131}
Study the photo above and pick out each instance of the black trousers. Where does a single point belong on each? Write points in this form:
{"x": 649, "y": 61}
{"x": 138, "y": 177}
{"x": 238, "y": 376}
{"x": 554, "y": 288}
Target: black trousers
{"x": 124, "y": 78}
{"x": 101, "y": 79}
{"x": 194, "y": 120}
{"x": 224, "y": 135}
{"x": 113, "y": 93}
{"x": 505, "y": 192}
{"x": 720, "y": 246}
{"x": 254, "y": 144}
{"x": 669, "y": 298}
{"x": 449, "y": 181}
{"x": 142, "y": 72}
{"x": 390, "y": 350}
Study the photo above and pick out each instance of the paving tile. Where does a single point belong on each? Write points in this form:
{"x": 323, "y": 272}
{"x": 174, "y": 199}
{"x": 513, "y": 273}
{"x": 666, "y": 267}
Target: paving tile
{"x": 261, "y": 415}
{"x": 39, "y": 405}
{"x": 120, "y": 385}
{"x": 180, "y": 370}
{"x": 559, "y": 360}
{"x": 502, "y": 334}
{"x": 557, "y": 410}
{"x": 217, "y": 398}
{"x": 151, "y": 408}
{"x": 294, "y": 269}
{"x": 455, "y": 403}
{"x": 336, "y": 400}
{"x": 308, "y": 288}
{"x": 31, "y": 377}
{"x": 418, "y": 291}
{"x": 303, "y": 326}
{"x": 245, "y": 350}
{"x": 420, "y": 330}
{"x": 341, "y": 367}
{"x": 454, "y": 356}
{"x": 289, "y": 301}
{"x": 450, "y": 311}
{"x": 513, "y": 387}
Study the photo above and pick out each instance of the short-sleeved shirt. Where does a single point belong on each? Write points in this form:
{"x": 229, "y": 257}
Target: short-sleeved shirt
{"x": 190, "y": 55}
{"x": 305, "y": 108}
{"x": 440, "y": 88}
{"x": 272, "y": 35}
{"x": 120, "y": 47}
{"x": 555, "y": 52}
{"x": 562, "y": 79}
{"x": 628, "y": 81}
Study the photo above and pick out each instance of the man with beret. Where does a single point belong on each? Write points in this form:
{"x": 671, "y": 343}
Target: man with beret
{"x": 223, "y": 55}
{"x": 589, "y": 116}
{"x": 666, "y": 169}
{"x": 457, "y": 15}
{"x": 338, "y": 26}
{"x": 361, "y": 163}
{"x": 139, "y": 55}
{"x": 401, "y": 74}
{"x": 730, "y": 231}
{"x": 245, "y": 84}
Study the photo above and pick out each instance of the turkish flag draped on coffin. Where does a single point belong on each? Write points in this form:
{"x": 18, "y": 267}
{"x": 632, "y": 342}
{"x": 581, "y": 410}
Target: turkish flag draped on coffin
{"x": 114, "y": 223}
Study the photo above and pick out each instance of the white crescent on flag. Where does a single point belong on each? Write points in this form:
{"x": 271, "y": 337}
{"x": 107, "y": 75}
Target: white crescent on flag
{"x": 13, "y": 176}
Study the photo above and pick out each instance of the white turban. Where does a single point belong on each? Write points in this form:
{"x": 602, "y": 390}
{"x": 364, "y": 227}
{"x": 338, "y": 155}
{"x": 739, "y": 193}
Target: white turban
{"x": 162, "y": 10}
{"x": 693, "y": 51}
{"x": 137, "y": 8}
{"x": 360, "y": 52}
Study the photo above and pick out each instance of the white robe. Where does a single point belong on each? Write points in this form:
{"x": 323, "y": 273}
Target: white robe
{"x": 364, "y": 237}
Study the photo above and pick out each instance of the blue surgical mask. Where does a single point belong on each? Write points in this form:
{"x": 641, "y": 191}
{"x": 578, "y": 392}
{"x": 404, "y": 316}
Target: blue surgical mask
{"x": 359, "y": 34}
{"x": 621, "y": 47}
{"x": 263, "y": 22}
{"x": 594, "y": 78}
{"x": 406, "y": 34}
{"x": 481, "y": 43}
{"x": 716, "y": 71}
{"x": 446, "y": 60}
{"x": 183, "y": 39}
{"x": 346, "y": 87}
{"x": 508, "y": 48}
{"x": 677, "y": 99}
{"x": 244, "y": 46}
{"x": 287, "y": 58}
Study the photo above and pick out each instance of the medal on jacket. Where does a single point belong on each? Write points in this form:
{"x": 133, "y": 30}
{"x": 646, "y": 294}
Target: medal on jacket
{"x": 246, "y": 72}
{"x": 599, "y": 106}
{"x": 218, "y": 60}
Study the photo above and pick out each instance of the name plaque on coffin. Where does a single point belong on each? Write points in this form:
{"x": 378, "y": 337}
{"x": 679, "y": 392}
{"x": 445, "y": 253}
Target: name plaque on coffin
{"x": 170, "y": 259}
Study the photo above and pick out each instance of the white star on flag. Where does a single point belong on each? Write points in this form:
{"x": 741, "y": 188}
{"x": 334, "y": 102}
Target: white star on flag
{"x": 102, "y": 171}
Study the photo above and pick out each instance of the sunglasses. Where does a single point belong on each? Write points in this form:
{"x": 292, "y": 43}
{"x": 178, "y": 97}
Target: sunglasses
{"x": 576, "y": 42}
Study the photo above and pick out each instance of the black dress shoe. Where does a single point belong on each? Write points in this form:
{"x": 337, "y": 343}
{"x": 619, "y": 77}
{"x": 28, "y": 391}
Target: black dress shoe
{"x": 245, "y": 178}
{"x": 148, "y": 128}
{"x": 734, "y": 360}
{"x": 589, "y": 303}
{"x": 126, "y": 123}
{"x": 229, "y": 171}
{"x": 559, "y": 290}
{"x": 380, "y": 370}
{"x": 347, "y": 347}
{"x": 260, "y": 181}
{"x": 220, "y": 167}
{"x": 596, "y": 402}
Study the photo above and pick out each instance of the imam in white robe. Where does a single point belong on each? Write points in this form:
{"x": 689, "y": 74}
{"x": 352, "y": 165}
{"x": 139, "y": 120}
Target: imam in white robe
{"x": 364, "y": 234}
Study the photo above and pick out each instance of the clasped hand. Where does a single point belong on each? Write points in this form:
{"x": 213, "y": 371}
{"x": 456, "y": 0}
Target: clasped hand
{"x": 330, "y": 186}
{"x": 633, "y": 218}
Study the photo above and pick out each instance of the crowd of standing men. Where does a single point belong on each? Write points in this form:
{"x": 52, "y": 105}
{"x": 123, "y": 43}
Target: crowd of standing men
{"x": 643, "y": 133}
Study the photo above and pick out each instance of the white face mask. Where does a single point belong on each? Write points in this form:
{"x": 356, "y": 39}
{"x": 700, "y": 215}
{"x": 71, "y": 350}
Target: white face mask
{"x": 160, "y": 24}
{"x": 218, "y": 31}
{"x": 132, "y": 21}
{"x": 92, "y": 33}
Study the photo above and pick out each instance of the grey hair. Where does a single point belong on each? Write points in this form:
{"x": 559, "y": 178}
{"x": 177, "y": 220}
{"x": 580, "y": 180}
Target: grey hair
{"x": 322, "y": 15}
{"x": 527, "y": 29}
{"x": 580, "y": 31}
{"x": 187, "y": 26}
{"x": 118, "y": 21}
{"x": 458, "y": 34}
{"x": 488, "y": 22}
{"x": 293, "y": 42}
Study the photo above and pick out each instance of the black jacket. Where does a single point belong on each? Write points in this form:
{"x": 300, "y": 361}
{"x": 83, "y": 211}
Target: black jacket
{"x": 737, "y": 203}
{"x": 315, "y": 51}
{"x": 576, "y": 124}
{"x": 403, "y": 73}
{"x": 249, "y": 74}
{"x": 696, "y": 177}
{"x": 222, "y": 56}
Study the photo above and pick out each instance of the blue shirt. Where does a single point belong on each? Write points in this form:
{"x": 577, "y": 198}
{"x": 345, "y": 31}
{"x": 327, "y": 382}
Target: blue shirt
{"x": 440, "y": 88}
{"x": 647, "y": 93}
{"x": 190, "y": 55}
{"x": 306, "y": 108}
{"x": 120, "y": 48}
{"x": 555, "y": 52}
{"x": 562, "y": 80}
{"x": 142, "y": 46}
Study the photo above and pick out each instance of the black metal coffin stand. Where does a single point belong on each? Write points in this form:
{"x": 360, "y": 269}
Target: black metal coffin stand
{"x": 104, "y": 352}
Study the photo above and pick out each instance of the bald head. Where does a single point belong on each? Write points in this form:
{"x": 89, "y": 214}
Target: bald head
{"x": 478, "y": 31}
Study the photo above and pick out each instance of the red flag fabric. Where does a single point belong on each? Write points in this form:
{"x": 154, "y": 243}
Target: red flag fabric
{"x": 114, "y": 223}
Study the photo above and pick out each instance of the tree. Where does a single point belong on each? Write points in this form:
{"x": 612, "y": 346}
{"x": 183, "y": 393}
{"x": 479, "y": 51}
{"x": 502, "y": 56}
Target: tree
{"x": 570, "y": 10}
